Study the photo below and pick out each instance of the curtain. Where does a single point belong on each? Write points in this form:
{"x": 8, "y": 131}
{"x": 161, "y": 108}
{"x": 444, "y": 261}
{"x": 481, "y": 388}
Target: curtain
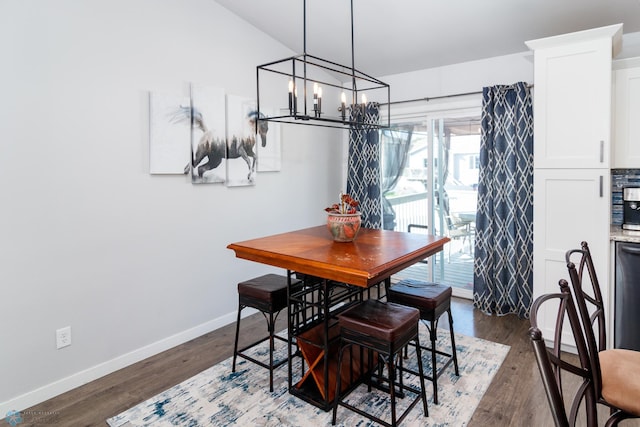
{"x": 395, "y": 153}
{"x": 503, "y": 264}
{"x": 363, "y": 169}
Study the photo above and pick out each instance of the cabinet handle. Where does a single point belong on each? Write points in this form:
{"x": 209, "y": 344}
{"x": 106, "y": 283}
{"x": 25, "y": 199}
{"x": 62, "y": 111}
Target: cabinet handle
{"x": 601, "y": 151}
{"x": 601, "y": 186}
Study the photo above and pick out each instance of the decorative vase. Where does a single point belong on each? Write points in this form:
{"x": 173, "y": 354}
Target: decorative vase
{"x": 343, "y": 227}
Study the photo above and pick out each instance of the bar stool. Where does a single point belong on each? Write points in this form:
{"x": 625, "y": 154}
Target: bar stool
{"x": 268, "y": 294}
{"x": 433, "y": 300}
{"x": 384, "y": 328}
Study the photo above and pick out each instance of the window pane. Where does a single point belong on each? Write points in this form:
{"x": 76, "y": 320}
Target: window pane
{"x": 456, "y": 177}
{"x": 437, "y": 188}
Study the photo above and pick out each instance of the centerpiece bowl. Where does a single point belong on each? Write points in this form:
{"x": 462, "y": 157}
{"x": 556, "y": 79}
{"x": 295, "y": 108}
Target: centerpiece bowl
{"x": 344, "y": 227}
{"x": 343, "y": 219}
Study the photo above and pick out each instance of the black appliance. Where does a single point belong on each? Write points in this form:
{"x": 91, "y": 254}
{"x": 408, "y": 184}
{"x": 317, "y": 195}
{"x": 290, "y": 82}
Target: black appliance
{"x": 631, "y": 210}
{"x": 627, "y": 296}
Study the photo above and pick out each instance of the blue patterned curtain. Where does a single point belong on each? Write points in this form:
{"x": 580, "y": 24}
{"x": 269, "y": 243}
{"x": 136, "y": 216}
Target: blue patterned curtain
{"x": 503, "y": 265}
{"x": 363, "y": 174}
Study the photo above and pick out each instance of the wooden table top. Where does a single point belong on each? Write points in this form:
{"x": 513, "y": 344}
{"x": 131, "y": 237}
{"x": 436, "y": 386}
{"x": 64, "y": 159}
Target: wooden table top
{"x": 374, "y": 256}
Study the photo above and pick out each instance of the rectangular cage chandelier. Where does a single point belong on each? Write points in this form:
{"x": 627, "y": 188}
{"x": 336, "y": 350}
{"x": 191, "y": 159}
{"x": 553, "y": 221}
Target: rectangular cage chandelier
{"x": 308, "y": 90}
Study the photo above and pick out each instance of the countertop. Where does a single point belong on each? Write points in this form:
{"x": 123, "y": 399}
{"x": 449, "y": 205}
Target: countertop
{"x": 620, "y": 235}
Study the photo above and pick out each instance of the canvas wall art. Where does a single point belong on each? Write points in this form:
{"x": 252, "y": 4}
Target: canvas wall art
{"x": 169, "y": 139}
{"x": 270, "y": 154}
{"x": 212, "y": 137}
{"x": 242, "y": 140}
{"x": 208, "y": 147}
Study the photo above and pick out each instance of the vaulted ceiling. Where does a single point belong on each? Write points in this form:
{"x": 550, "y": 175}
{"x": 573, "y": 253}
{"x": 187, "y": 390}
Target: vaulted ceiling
{"x": 395, "y": 36}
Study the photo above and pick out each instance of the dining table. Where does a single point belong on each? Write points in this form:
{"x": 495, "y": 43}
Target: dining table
{"x": 335, "y": 277}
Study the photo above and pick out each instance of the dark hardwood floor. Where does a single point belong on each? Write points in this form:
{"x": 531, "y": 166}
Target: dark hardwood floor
{"x": 514, "y": 398}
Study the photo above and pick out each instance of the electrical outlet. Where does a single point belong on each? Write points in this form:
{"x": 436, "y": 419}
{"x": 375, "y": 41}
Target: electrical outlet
{"x": 63, "y": 337}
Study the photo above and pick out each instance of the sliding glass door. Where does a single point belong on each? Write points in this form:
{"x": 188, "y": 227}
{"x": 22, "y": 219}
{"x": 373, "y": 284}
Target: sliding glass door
{"x": 435, "y": 179}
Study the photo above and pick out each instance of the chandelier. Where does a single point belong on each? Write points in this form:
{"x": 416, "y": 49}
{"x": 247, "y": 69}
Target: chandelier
{"x": 308, "y": 90}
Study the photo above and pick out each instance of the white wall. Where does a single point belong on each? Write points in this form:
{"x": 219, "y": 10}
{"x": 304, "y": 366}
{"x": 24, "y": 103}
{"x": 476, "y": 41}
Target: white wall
{"x": 134, "y": 263}
{"x": 461, "y": 78}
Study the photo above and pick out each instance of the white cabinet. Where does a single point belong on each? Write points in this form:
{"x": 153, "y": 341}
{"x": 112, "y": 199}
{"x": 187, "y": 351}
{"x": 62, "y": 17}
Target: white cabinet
{"x": 570, "y": 205}
{"x": 572, "y": 155}
{"x": 572, "y": 98}
{"x": 627, "y": 111}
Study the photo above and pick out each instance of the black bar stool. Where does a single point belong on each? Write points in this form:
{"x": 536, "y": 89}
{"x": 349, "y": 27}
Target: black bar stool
{"x": 268, "y": 294}
{"x": 433, "y": 300}
{"x": 383, "y": 328}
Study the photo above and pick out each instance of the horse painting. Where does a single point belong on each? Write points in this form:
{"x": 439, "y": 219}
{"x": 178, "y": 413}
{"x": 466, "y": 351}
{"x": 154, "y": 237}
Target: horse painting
{"x": 245, "y": 147}
{"x": 210, "y": 150}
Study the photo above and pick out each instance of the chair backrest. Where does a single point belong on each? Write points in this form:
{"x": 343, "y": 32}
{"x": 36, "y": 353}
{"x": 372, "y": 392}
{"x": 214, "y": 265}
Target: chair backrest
{"x": 412, "y": 227}
{"x": 419, "y": 228}
{"x": 590, "y": 307}
{"x": 552, "y": 361}
{"x": 587, "y": 292}
{"x": 591, "y": 310}
{"x": 451, "y": 223}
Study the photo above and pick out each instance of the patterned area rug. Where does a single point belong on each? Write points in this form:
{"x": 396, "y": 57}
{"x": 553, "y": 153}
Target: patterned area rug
{"x": 218, "y": 397}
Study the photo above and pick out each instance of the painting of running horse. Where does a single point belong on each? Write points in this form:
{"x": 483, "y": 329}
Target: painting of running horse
{"x": 215, "y": 139}
{"x": 243, "y": 127}
{"x": 207, "y": 118}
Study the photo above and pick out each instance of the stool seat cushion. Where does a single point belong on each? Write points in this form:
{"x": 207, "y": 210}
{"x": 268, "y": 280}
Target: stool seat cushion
{"x": 620, "y": 370}
{"x": 385, "y": 321}
{"x": 422, "y": 295}
{"x": 270, "y": 289}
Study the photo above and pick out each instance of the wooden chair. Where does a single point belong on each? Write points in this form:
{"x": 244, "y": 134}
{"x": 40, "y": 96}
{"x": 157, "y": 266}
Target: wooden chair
{"x": 552, "y": 363}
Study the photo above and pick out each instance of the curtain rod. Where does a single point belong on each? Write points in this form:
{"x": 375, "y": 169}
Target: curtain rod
{"x": 442, "y": 96}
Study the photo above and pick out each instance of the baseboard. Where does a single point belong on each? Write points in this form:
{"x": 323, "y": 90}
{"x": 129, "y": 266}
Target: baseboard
{"x": 31, "y": 398}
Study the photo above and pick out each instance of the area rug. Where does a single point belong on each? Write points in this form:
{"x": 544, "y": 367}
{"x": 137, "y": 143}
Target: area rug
{"x": 218, "y": 397}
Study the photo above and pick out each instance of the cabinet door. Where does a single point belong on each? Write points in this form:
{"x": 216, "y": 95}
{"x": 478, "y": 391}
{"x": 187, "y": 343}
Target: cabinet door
{"x": 627, "y": 126}
{"x": 569, "y": 206}
{"x": 572, "y": 105}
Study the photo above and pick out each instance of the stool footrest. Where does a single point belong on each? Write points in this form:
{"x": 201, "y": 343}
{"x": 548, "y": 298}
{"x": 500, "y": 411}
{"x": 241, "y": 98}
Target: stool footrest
{"x": 269, "y": 295}
{"x": 260, "y": 341}
{"x": 381, "y": 421}
{"x": 430, "y": 377}
{"x": 263, "y": 364}
{"x": 383, "y": 383}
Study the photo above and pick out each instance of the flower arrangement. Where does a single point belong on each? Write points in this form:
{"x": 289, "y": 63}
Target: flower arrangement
{"x": 347, "y": 205}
